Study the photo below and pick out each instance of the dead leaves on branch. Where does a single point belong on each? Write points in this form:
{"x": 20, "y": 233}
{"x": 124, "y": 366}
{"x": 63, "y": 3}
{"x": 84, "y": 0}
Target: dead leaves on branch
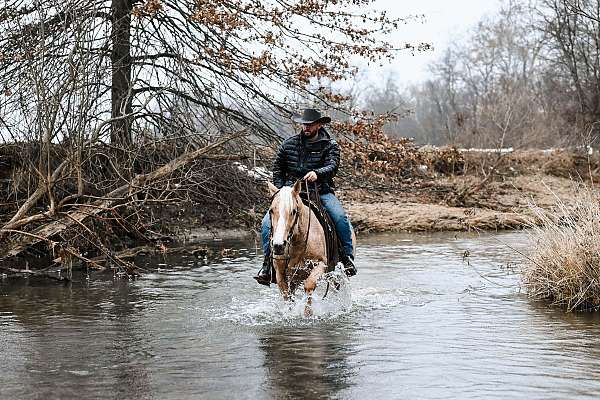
{"x": 280, "y": 32}
{"x": 149, "y": 9}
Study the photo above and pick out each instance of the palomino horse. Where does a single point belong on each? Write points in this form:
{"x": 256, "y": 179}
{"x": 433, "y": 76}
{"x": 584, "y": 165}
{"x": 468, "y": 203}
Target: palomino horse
{"x": 298, "y": 243}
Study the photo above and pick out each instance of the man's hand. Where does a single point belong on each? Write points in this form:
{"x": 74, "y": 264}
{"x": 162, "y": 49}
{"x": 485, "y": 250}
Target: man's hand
{"x": 310, "y": 177}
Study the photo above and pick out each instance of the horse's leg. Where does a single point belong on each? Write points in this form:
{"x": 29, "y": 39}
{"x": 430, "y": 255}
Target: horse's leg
{"x": 282, "y": 283}
{"x": 293, "y": 287}
{"x": 310, "y": 284}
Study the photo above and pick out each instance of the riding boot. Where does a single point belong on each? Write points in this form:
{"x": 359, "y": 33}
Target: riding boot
{"x": 264, "y": 275}
{"x": 348, "y": 262}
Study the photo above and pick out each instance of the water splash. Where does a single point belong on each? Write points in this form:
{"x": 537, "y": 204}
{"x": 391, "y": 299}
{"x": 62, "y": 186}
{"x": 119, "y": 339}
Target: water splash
{"x": 336, "y": 301}
{"x": 269, "y": 308}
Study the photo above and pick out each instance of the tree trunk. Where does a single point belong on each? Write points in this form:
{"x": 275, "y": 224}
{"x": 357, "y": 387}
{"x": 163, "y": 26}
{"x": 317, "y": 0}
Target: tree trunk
{"x": 121, "y": 72}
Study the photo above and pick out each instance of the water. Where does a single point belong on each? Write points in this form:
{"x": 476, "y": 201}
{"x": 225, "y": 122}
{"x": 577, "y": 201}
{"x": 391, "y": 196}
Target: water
{"x": 420, "y": 321}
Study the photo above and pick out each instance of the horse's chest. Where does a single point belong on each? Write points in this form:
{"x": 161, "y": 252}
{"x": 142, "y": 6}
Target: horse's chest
{"x": 301, "y": 270}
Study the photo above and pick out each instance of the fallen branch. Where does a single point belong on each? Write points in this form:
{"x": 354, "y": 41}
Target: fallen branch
{"x": 18, "y": 219}
{"x": 111, "y": 199}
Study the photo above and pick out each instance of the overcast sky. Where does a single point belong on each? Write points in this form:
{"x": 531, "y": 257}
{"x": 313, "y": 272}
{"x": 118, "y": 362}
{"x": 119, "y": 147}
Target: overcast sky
{"x": 445, "y": 21}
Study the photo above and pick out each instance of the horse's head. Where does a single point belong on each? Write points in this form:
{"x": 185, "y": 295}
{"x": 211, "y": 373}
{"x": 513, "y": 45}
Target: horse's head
{"x": 285, "y": 213}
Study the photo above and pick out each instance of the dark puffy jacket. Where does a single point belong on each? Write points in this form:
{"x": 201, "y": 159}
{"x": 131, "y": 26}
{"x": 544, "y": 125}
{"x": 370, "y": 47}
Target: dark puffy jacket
{"x": 297, "y": 156}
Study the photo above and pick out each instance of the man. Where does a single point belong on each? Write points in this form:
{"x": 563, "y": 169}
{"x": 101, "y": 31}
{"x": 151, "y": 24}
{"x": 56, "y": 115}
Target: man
{"x": 312, "y": 156}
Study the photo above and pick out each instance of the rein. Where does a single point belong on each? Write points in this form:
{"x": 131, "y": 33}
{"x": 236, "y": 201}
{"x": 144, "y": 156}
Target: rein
{"x": 309, "y": 215}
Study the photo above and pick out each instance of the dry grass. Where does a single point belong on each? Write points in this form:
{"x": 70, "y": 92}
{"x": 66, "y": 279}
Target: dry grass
{"x": 564, "y": 265}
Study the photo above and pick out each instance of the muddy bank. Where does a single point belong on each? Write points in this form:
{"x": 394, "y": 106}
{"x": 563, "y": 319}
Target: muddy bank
{"x": 420, "y": 206}
{"x": 423, "y": 206}
{"x": 413, "y": 217}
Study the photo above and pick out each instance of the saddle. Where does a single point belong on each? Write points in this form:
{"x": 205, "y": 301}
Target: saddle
{"x": 332, "y": 245}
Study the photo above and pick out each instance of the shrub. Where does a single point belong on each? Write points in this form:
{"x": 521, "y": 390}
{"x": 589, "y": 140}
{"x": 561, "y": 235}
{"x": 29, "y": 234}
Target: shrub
{"x": 564, "y": 266}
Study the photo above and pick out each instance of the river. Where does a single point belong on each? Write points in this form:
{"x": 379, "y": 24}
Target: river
{"x": 428, "y": 317}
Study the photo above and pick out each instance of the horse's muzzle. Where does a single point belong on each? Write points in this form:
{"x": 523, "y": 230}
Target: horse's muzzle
{"x": 278, "y": 249}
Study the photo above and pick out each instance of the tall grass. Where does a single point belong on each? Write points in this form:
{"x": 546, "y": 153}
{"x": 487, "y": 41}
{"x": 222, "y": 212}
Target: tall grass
{"x": 564, "y": 264}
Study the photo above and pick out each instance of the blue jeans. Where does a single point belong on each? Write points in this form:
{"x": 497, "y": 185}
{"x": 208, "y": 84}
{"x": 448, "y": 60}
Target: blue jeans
{"x": 338, "y": 215}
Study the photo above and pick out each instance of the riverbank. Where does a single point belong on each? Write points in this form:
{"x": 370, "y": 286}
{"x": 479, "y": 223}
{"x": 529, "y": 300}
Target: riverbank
{"x": 405, "y": 188}
{"x": 427, "y": 206}
{"x": 427, "y": 200}
{"x": 471, "y": 190}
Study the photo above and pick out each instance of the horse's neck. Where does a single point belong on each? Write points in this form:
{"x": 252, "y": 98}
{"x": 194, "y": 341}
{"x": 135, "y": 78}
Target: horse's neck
{"x": 304, "y": 224}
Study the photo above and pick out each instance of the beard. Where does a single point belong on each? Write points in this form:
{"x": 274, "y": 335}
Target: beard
{"x": 310, "y": 134}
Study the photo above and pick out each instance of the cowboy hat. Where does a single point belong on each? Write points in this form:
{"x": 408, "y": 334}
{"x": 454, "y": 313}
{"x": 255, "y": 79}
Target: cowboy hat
{"x": 311, "y": 116}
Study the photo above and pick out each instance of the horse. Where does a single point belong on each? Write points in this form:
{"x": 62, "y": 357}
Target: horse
{"x": 297, "y": 243}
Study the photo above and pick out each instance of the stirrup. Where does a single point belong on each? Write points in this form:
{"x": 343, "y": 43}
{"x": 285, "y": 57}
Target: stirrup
{"x": 264, "y": 279}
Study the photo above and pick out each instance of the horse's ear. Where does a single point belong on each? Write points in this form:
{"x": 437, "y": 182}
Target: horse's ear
{"x": 272, "y": 189}
{"x": 297, "y": 187}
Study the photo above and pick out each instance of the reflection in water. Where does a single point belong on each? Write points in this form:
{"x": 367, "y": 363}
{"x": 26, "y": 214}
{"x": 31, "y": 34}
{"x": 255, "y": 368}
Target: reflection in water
{"x": 306, "y": 362}
{"x": 421, "y": 324}
{"x": 77, "y": 334}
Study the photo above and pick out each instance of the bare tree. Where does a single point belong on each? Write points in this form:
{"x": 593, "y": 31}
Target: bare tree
{"x": 100, "y": 95}
{"x": 487, "y": 91}
{"x": 389, "y": 99}
{"x": 574, "y": 30}
{"x": 224, "y": 58}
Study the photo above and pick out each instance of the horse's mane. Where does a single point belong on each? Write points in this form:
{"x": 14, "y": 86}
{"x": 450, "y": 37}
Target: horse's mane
{"x": 285, "y": 199}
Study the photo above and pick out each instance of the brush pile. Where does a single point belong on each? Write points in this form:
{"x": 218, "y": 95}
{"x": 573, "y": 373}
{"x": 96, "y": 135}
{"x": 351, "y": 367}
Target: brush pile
{"x": 103, "y": 200}
{"x": 369, "y": 153}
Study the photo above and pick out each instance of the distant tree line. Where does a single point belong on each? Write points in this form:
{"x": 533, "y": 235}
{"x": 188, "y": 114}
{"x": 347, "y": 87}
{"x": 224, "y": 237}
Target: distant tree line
{"x": 526, "y": 77}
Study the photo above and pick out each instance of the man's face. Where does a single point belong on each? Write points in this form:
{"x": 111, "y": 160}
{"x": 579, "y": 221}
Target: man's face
{"x": 311, "y": 129}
